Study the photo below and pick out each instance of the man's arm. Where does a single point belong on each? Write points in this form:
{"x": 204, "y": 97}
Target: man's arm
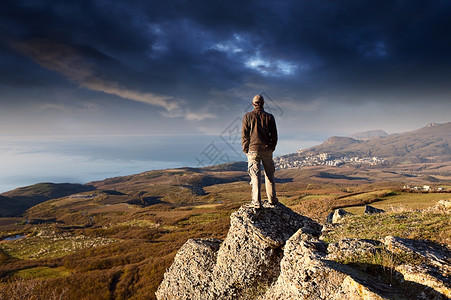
{"x": 273, "y": 131}
{"x": 245, "y": 139}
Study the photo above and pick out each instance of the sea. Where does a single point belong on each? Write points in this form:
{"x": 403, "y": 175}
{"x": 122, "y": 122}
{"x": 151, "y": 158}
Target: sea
{"x": 82, "y": 159}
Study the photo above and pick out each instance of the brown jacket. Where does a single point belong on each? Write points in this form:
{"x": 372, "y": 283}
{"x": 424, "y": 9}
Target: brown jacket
{"x": 259, "y": 131}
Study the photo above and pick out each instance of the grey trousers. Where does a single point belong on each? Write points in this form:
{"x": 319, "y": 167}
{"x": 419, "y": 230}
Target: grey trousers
{"x": 254, "y": 160}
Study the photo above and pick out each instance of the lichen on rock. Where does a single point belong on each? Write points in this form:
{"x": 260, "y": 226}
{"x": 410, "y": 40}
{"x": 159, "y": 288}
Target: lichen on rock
{"x": 247, "y": 260}
{"x": 250, "y": 255}
{"x": 190, "y": 275}
{"x": 275, "y": 253}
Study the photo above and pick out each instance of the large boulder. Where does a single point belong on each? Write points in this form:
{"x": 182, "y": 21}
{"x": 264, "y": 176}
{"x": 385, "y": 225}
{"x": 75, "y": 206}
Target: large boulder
{"x": 430, "y": 266}
{"x": 250, "y": 255}
{"x": 308, "y": 273}
{"x": 248, "y": 259}
{"x": 442, "y": 206}
{"x": 190, "y": 275}
{"x": 338, "y": 215}
{"x": 347, "y": 248}
{"x": 369, "y": 210}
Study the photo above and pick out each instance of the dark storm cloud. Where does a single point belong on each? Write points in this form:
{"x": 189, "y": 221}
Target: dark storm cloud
{"x": 175, "y": 76}
{"x": 174, "y": 51}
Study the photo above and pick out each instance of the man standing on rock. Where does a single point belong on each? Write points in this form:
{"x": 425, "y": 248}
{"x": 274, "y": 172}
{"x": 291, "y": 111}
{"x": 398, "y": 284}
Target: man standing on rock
{"x": 259, "y": 140}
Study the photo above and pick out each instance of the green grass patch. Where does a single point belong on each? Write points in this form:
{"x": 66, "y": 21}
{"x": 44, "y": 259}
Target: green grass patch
{"x": 369, "y": 197}
{"x": 206, "y": 206}
{"x": 50, "y": 246}
{"x": 139, "y": 223}
{"x": 42, "y": 273}
{"x": 413, "y": 225}
{"x": 400, "y": 201}
{"x": 381, "y": 264}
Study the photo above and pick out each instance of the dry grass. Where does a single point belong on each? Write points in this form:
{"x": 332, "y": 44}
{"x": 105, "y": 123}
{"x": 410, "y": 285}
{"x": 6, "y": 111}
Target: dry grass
{"x": 403, "y": 201}
{"x": 21, "y": 289}
{"x": 147, "y": 238}
{"x": 420, "y": 225}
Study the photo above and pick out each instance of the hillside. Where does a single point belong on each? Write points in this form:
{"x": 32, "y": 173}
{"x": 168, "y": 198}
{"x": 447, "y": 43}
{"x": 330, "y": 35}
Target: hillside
{"x": 117, "y": 240}
{"x": 430, "y": 144}
{"x": 427, "y": 143}
{"x": 184, "y": 186}
{"x": 369, "y": 135}
{"x": 422, "y": 155}
{"x": 16, "y": 202}
{"x": 148, "y": 188}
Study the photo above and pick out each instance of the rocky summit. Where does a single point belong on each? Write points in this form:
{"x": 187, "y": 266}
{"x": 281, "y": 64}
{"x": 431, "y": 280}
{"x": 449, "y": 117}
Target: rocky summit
{"x": 275, "y": 253}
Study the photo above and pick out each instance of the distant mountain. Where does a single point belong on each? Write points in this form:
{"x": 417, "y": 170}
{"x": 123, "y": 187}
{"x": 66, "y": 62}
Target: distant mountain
{"x": 16, "y": 202}
{"x": 428, "y": 144}
{"x": 338, "y": 143}
{"x": 369, "y": 135}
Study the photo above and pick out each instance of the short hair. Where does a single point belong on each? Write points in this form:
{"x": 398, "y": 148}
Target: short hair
{"x": 258, "y": 100}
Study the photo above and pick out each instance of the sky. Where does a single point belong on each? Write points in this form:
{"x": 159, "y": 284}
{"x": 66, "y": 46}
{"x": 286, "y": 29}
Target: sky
{"x": 91, "y": 89}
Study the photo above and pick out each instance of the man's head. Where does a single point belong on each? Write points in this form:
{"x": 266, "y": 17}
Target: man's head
{"x": 258, "y": 101}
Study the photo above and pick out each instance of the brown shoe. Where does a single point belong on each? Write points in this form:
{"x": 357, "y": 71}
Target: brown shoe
{"x": 273, "y": 202}
{"x": 255, "y": 205}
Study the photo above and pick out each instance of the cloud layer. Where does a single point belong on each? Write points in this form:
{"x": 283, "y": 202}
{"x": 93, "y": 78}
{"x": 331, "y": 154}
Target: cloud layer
{"x": 191, "y": 65}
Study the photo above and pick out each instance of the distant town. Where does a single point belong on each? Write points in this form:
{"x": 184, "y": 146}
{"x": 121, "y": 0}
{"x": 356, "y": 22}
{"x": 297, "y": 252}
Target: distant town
{"x": 424, "y": 188}
{"x": 301, "y": 159}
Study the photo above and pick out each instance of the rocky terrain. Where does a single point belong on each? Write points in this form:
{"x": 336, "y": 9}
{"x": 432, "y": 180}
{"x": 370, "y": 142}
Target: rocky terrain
{"x": 275, "y": 253}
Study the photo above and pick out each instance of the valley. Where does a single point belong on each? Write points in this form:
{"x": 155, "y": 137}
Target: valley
{"x": 115, "y": 238}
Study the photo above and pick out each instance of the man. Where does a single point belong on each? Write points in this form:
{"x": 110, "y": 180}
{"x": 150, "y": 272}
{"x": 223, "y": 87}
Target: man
{"x": 259, "y": 139}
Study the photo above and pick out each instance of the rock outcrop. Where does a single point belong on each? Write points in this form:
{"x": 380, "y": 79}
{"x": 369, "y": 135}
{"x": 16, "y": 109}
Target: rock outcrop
{"x": 338, "y": 215}
{"x": 190, "y": 275}
{"x": 247, "y": 260}
{"x": 251, "y": 253}
{"x": 369, "y": 210}
{"x": 308, "y": 273}
{"x": 434, "y": 263}
{"x": 443, "y": 206}
{"x": 275, "y": 253}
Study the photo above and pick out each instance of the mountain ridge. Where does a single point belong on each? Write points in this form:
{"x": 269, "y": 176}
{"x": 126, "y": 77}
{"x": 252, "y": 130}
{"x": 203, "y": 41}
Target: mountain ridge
{"x": 369, "y": 135}
{"x": 427, "y": 144}
{"x": 421, "y": 142}
{"x": 17, "y": 201}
